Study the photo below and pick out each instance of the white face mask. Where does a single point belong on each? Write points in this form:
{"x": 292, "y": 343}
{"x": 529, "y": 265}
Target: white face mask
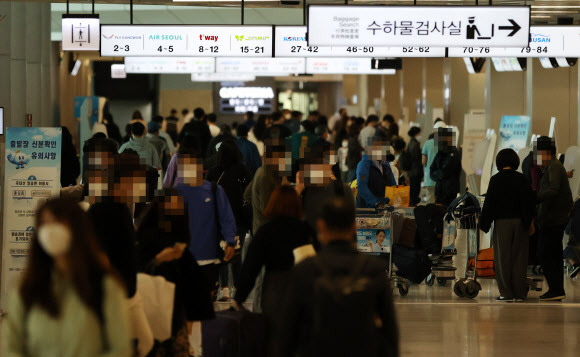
{"x": 344, "y": 144}
{"x": 539, "y": 160}
{"x": 55, "y": 239}
{"x": 418, "y": 137}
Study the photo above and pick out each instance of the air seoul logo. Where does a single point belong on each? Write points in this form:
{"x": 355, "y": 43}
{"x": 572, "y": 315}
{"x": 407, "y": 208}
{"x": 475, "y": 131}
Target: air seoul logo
{"x": 539, "y": 38}
{"x": 203, "y": 37}
{"x": 295, "y": 39}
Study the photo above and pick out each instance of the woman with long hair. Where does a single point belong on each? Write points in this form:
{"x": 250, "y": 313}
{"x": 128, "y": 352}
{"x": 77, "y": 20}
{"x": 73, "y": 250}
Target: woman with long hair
{"x": 272, "y": 247}
{"x": 69, "y": 302}
{"x": 162, "y": 240}
{"x": 233, "y": 176}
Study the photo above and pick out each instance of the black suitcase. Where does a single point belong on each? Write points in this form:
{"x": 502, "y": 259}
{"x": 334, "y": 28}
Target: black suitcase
{"x": 235, "y": 334}
{"x": 413, "y": 264}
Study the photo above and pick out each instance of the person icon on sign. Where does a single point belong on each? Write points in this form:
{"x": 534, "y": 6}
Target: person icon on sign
{"x": 472, "y": 29}
{"x": 81, "y": 34}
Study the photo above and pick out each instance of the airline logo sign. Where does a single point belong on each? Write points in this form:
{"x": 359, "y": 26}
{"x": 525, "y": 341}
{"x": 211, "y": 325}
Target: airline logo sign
{"x": 545, "y": 41}
{"x": 291, "y": 42}
{"x": 440, "y": 26}
{"x": 186, "y": 41}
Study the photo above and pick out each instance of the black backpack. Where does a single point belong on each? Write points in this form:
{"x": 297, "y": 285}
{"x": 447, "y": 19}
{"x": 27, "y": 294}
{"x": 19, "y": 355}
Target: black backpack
{"x": 345, "y": 309}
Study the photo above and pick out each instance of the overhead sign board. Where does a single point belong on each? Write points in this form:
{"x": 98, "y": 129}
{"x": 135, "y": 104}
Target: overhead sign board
{"x": 80, "y": 32}
{"x": 545, "y": 41}
{"x": 170, "y": 65}
{"x": 433, "y": 26}
{"x": 290, "y": 41}
{"x": 240, "y": 100}
{"x": 118, "y": 71}
{"x": 261, "y": 66}
{"x": 186, "y": 41}
{"x": 222, "y": 77}
{"x": 343, "y": 66}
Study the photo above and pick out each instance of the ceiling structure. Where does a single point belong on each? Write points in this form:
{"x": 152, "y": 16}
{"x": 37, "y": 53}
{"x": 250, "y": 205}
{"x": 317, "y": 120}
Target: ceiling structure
{"x": 266, "y": 12}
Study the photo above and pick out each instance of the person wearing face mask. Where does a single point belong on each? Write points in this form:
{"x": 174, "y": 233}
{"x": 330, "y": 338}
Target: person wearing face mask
{"x": 415, "y": 171}
{"x": 277, "y": 165}
{"x": 428, "y": 153}
{"x": 374, "y": 174}
{"x": 162, "y": 241}
{"x": 315, "y": 185}
{"x": 69, "y": 303}
{"x": 342, "y": 160}
{"x": 210, "y": 216}
{"x": 555, "y": 203}
{"x": 272, "y": 247}
{"x": 232, "y": 174}
{"x": 446, "y": 168}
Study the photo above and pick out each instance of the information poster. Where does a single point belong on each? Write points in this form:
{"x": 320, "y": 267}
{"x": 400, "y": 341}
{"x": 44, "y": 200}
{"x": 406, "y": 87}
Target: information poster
{"x": 373, "y": 234}
{"x": 514, "y": 133}
{"x": 32, "y": 176}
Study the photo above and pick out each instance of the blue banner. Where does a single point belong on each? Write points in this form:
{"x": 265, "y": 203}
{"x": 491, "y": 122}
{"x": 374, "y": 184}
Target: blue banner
{"x": 31, "y": 176}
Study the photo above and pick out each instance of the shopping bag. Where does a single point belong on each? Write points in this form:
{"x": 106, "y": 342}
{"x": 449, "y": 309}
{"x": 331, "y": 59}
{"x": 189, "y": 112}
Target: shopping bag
{"x": 140, "y": 329}
{"x": 399, "y": 196}
{"x": 158, "y": 296}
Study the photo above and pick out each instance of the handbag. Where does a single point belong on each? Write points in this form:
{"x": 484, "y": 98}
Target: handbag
{"x": 399, "y": 196}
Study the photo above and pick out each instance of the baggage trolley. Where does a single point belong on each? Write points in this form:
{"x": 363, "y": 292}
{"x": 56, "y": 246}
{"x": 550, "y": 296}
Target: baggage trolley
{"x": 468, "y": 218}
{"x": 468, "y": 286}
{"x": 374, "y": 236}
{"x": 443, "y": 270}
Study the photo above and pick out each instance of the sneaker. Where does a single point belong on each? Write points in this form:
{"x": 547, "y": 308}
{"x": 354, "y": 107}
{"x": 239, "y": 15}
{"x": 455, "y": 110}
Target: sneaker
{"x": 232, "y": 293}
{"x": 575, "y": 270}
{"x": 550, "y": 296}
{"x": 223, "y": 295}
{"x": 519, "y": 299}
{"x": 504, "y": 299}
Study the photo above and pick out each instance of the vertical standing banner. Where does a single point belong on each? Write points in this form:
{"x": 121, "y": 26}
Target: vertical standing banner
{"x": 514, "y": 133}
{"x": 473, "y": 132}
{"x": 31, "y": 176}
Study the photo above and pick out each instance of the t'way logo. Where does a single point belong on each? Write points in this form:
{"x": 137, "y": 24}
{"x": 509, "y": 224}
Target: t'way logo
{"x": 208, "y": 38}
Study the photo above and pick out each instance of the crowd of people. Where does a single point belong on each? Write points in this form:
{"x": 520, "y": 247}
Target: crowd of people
{"x": 265, "y": 205}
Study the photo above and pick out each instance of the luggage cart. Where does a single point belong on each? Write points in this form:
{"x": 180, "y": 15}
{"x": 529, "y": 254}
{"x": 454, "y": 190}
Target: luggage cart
{"x": 373, "y": 225}
{"x": 468, "y": 286}
{"x": 468, "y": 218}
{"x": 443, "y": 269}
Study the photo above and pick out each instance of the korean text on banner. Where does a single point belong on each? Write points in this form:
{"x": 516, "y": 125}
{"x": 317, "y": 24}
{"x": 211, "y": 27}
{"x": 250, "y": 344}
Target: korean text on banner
{"x": 514, "y": 133}
{"x": 31, "y": 176}
{"x": 437, "y": 26}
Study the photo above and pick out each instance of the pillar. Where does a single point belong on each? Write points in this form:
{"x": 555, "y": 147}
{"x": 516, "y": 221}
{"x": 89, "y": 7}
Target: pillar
{"x": 25, "y": 76}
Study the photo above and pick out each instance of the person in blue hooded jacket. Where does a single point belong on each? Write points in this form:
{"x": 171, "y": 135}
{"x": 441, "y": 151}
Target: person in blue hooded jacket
{"x": 373, "y": 174}
{"x": 210, "y": 214}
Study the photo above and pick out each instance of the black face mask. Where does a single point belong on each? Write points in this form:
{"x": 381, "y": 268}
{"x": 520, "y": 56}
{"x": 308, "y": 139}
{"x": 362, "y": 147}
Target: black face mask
{"x": 390, "y": 157}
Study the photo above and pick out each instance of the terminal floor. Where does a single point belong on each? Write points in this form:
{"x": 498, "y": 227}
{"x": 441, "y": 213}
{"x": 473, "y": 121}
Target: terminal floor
{"x": 435, "y": 322}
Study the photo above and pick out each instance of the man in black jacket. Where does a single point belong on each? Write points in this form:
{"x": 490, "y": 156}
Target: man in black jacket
{"x": 446, "y": 167}
{"x": 340, "y": 302}
{"x": 197, "y": 128}
{"x": 555, "y": 203}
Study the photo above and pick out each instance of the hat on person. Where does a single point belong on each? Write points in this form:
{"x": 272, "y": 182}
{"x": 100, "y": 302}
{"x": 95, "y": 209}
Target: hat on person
{"x": 439, "y": 124}
{"x": 153, "y": 127}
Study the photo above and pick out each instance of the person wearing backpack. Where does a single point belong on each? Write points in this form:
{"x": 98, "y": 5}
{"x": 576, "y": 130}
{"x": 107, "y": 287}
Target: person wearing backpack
{"x": 211, "y": 218}
{"x": 339, "y": 303}
{"x": 232, "y": 174}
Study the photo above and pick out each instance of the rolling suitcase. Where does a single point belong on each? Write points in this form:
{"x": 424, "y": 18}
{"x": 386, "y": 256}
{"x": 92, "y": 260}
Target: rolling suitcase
{"x": 235, "y": 334}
